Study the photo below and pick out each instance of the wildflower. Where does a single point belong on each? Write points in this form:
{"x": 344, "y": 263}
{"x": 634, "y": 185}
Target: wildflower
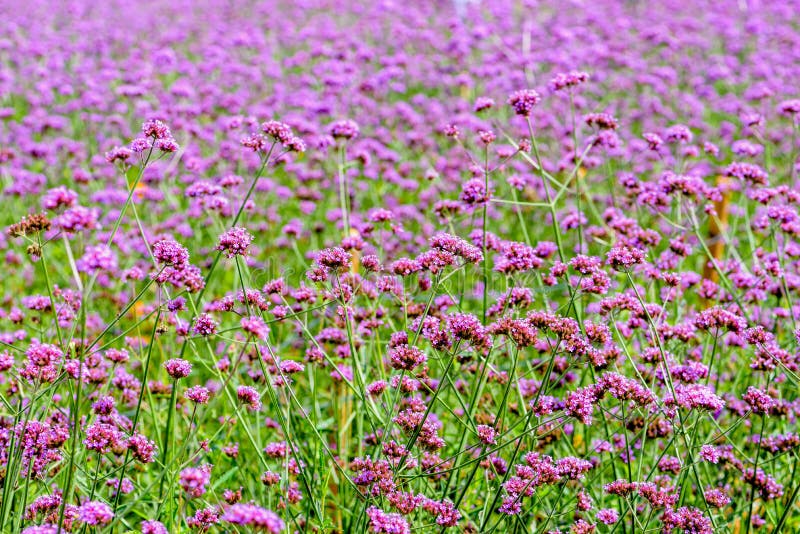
{"x": 474, "y": 192}
{"x": 678, "y": 134}
{"x": 406, "y": 358}
{"x": 205, "y": 325}
{"x": 249, "y": 396}
{"x": 95, "y": 513}
{"x": 687, "y": 519}
{"x": 255, "y": 326}
{"x": 169, "y": 252}
{"x": 153, "y": 527}
{"x": 607, "y": 516}
{"x": 717, "y": 497}
{"x": 194, "y": 480}
{"x": 451, "y": 130}
{"x": 380, "y": 521}
{"x": 654, "y": 141}
{"x": 749, "y": 172}
{"x": 278, "y": 131}
{"x": 119, "y": 153}
{"x": 344, "y": 129}
{"x": 155, "y": 128}
{"x": 376, "y": 388}
{"x": 178, "y": 368}
{"x": 567, "y": 80}
{"x": 142, "y": 449}
{"x": 102, "y": 437}
{"x": 789, "y": 107}
{"x": 235, "y": 242}
{"x": 524, "y": 101}
{"x": 483, "y": 103}
{"x": 29, "y": 225}
{"x": 203, "y": 519}
{"x": 59, "y": 197}
{"x": 198, "y": 394}
{"x": 457, "y": 246}
{"x": 709, "y": 453}
{"x": 603, "y": 121}
{"x": 758, "y": 401}
{"x": 256, "y": 518}
{"x": 486, "y": 434}
{"x": 486, "y": 137}
{"x": 97, "y": 258}
{"x": 334, "y": 259}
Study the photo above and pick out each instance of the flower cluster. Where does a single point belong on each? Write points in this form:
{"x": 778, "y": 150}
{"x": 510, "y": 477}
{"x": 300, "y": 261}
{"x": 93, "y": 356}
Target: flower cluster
{"x": 413, "y": 266}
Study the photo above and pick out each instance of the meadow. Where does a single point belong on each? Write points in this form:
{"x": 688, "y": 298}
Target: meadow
{"x": 328, "y": 266}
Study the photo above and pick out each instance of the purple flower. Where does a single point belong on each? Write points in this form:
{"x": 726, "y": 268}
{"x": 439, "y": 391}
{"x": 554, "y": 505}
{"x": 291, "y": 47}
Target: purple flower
{"x": 235, "y": 242}
{"x": 524, "y": 101}
{"x": 155, "y": 128}
{"x": 95, "y": 513}
{"x": 197, "y": 394}
{"x": 142, "y": 449}
{"x": 178, "y": 368}
{"x": 334, "y": 259}
{"x": 255, "y": 326}
{"x": 204, "y": 325}
{"x": 406, "y": 358}
{"x": 623, "y": 257}
{"x": 486, "y": 434}
{"x": 256, "y": 518}
{"x": 97, "y": 258}
{"x": 153, "y": 527}
{"x": 748, "y": 172}
{"x": 344, "y": 129}
{"x": 483, "y": 103}
{"x": 607, "y": 516}
{"x": 474, "y": 193}
{"x": 709, "y": 453}
{"x": 249, "y": 395}
{"x": 567, "y": 80}
{"x": 789, "y": 107}
{"x": 380, "y": 521}
{"x": 678, "y": 134}
{"x": 169, "y": 252}
{"x": 102, "y": 437}
{"x": 203, "y": 519}
{"x": 59, "y": 197}
{"x": 194, "y": 480}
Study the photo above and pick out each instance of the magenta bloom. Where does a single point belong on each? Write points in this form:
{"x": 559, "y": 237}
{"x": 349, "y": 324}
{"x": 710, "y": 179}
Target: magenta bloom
{"x": 524, "y": 101}
{"x": 256, "y": 518}
{"x": 486, "y": 434}
{"x": 380, "y": 521}
{"x": 344, "y": 129}
{"x": 567, "y": 80}
{"x": 178, "y": 368}
{"x": 153, "y": 527}
{"x": 607, "y": 516}
{"x": 334, "y": 259}
{"x": 142, "y": 449}
{"x": 95, "y": 513}
{"x": 406, "y": 358}
{"x": 205, "y": 325}
{"x": 102, "y": 437}
{"x": 197, "y": 394}
{"x": 170, "y": 252}
{"x": 235, "y": 242}
{"x": 255, "y": 326}
{"x": 194, "y": 480}
{"x": 249, "y": 395}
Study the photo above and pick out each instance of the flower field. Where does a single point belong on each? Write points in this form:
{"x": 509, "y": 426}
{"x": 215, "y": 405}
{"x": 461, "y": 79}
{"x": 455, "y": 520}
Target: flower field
{"x": 325, "y": 266}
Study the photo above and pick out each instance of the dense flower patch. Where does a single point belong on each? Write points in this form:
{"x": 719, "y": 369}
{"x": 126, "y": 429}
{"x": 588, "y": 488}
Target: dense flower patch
{"x": 399, "y": 267}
